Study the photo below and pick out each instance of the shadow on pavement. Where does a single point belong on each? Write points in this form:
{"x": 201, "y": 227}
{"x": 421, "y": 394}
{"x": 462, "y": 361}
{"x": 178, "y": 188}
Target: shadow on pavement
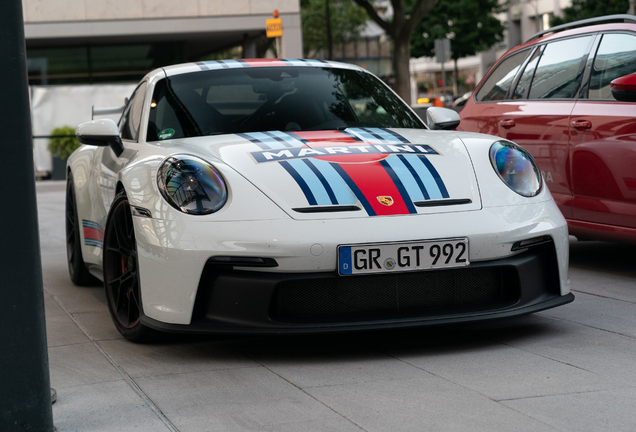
{"x": 604, "y": 256}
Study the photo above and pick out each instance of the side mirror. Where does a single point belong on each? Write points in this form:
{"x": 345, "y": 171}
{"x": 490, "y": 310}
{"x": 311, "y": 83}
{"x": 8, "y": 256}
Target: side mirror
{"x": 441, "y": 118}
{"x": 624, "y": 88}
{"x": 103, "y": 132}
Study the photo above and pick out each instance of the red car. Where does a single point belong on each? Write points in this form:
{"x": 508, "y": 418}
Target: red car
{"x": 568, "y": 95}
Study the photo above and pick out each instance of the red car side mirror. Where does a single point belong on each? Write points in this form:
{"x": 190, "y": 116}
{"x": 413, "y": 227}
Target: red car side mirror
{"x": 624, "y": 88}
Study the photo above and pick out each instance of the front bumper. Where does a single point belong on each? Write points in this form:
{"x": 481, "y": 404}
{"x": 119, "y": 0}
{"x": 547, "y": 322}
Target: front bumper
{"x": 236, "y": 301}
{"x": 173, "y": 253}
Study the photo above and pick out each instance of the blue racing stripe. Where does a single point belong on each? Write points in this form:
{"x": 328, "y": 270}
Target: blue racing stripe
{"x": 438, "y": 179}
{"x": 91, "y": 224}
{"x": 425, "y": 175}
{"x": 365, "y": 136}
{"x": 351, "y": 135}
{"x": 305, "y": 62}
{"x": 279, "y": 140}
{"x": 396, "y": 135}
{"x": 379, "y": 134}
{"x": 95, "y": 243}
{"x": 253, "y": 140}
{"x": 293, "y": 140}
{"x": 406, "y": 176}
{"x": 316, "y": 189}
{"x": 400, "y": 187}
{"x": 323, "y": 180}
{"x": 417, "y": 178}
{"x": 341, "y": 190}
{"x": 211, "y": 65}
{"x": 354, "y": 188}
{"x": 301, "y": 182}
{"x": 312, "y": 182}
{"x": 233, "y": 63}
{"x": 271, "y": 141}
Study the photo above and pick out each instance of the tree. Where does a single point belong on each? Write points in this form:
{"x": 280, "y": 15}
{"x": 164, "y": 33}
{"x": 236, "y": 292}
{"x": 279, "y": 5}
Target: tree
{"x": 406, "y": 16}
{"x": 583, "y": 9}
{"x": 470, "y": 24}
{"x": 328, "y": 22}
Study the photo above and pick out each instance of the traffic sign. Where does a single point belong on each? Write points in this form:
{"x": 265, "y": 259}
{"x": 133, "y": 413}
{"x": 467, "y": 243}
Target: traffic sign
{"x": 442, "y": 50}
{"x": 274, "y": 27}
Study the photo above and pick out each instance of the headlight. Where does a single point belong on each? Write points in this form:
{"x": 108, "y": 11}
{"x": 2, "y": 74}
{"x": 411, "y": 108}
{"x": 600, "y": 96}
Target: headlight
{"x": 516, "y": 168}
{"x": 191, "y": 185}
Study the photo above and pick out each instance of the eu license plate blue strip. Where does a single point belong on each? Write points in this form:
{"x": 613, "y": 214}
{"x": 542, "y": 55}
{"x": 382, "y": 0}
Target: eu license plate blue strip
{"x": 345, "y": 260}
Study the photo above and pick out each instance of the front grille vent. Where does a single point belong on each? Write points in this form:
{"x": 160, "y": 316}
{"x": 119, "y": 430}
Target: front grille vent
{"x": 356, "y": 298}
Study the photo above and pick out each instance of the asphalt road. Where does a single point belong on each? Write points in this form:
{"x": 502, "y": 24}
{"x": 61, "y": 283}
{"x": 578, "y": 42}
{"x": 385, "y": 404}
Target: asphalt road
{"x": 571, "y": 368}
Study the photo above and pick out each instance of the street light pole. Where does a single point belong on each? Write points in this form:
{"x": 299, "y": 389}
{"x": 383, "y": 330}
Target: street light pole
{"x": 25, "y": 395}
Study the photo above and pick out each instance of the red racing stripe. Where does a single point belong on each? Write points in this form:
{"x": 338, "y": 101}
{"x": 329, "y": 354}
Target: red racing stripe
{"x": 373, "y": 181}
{"x": 264, "y": 62}
{"x": 365, "y": 171}
{"x": 325, "y": 135}
{"x": 93, "y": 234}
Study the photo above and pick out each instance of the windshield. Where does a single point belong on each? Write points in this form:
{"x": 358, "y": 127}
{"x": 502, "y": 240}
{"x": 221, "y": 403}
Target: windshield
{"x": 273, "y": 98}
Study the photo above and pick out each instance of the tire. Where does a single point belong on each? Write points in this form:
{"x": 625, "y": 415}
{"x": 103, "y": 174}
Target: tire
{"x": 76, "y": 267}
{"x": 121, "y": 276}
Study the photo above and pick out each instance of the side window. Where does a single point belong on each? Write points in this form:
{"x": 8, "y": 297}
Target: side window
{"x": 615, "y": 57}
{"x": 521, "y": 91}
{"x": 168, "y": 117}
{"x": 131, "y": 119}
{"x": 499, "y": 81}
{"x": 560, "y": 69}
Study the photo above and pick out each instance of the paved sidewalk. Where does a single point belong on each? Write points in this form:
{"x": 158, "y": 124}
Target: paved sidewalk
{"x": 568, "y": 369}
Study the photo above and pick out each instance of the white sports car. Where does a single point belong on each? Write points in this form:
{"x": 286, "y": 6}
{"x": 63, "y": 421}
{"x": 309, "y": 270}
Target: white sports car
{"x": 288, "y": 196}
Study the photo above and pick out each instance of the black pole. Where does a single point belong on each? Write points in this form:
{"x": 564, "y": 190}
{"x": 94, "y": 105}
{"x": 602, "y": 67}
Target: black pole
{"x": 329, "y": 38}
{"x": 25, "y": 395}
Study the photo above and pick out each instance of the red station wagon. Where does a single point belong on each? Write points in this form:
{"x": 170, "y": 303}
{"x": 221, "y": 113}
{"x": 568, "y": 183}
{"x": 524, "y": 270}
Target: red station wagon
{"x": 568, "y": 95}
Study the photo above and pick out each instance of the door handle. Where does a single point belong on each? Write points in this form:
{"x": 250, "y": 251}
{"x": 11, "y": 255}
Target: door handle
{"x": 507, "y": 123}
{"x": 581, "y": 125}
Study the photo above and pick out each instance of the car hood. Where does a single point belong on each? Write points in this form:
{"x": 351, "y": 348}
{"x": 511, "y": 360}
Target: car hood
{"x": 356, "y": 172}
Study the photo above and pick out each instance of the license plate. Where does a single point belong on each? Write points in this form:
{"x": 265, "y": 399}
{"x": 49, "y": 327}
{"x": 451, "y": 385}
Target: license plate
{"x": 404, "y": 256}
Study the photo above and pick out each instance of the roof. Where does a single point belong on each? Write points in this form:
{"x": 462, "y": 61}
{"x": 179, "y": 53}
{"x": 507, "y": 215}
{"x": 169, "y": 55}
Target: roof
{"x": 235, "y": 64}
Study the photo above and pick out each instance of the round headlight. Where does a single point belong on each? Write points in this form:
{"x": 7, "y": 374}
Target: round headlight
{"x": 191, "y": 185}
{"x": 516, "y": 167}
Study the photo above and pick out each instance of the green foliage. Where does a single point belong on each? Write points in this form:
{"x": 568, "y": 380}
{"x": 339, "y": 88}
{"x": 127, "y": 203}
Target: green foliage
{"x": 230, "y": 53}
{"x": 61, "y": 143}
{"x": 471, "y": 21}
{"x": 584, "y": 9}
{"x": 346, "y": 20}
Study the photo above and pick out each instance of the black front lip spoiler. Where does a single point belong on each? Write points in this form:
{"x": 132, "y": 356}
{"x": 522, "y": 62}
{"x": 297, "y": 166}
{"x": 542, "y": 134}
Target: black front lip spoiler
{"x": 550, "y": 302}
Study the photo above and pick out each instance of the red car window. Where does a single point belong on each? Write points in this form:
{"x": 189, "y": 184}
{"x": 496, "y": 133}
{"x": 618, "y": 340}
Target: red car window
{"x": 615, "y": 58}
{"x": 521, "y": 91}
{"x": 498, "y": 83}
{"x": 560, "y": 69}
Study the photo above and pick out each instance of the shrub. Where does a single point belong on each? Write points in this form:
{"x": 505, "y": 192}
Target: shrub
{"x": 62, "y": 142}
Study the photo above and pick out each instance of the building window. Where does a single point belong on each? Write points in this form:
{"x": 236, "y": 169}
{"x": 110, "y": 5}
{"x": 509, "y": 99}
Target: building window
{"x": 99, "y": 63}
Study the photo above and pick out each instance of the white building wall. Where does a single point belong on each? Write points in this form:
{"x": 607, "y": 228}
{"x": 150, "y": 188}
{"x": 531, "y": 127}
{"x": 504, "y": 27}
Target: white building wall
{"x": 68, "y": 105}
{"x": 100, "y": 10}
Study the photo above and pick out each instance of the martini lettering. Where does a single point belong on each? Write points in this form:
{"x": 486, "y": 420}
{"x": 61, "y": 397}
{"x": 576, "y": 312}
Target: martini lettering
{"x": 305, "y": 152}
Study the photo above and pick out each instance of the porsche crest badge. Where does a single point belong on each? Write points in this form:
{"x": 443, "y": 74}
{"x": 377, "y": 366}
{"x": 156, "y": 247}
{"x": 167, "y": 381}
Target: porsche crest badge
{"x": 385, "y": 200}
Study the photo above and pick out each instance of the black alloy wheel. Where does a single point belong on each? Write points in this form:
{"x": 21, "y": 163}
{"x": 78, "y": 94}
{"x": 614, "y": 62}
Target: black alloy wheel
{"x": 121, "y": 275}
{"x": 76, "y": 266}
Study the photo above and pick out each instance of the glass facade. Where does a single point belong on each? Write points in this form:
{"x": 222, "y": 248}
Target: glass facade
{"x": 99, "y": 63}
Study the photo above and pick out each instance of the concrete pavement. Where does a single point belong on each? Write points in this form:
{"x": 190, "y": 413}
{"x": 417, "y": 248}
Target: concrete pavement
{"x": 567, "y": 369}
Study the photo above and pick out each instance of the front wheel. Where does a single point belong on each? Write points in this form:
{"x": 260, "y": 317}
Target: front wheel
{"x": 121, "y": 274}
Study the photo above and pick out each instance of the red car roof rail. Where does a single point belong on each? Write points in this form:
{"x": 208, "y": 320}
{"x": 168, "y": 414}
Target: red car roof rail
{"x": 606, "y": 18}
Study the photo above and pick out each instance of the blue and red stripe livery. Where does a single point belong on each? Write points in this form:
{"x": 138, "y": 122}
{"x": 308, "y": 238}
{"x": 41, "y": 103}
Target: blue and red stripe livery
{"x": 357, "y": 165}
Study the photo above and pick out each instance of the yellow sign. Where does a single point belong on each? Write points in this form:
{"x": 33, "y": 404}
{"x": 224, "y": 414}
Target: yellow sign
{"x": 274, "y": 27}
